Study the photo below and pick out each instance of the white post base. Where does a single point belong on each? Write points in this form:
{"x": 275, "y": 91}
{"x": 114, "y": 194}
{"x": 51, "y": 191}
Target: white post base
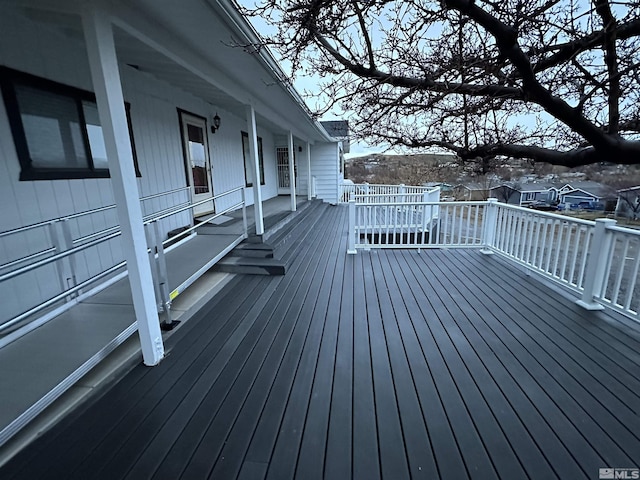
{"x": 487, "y": 251}
{"x": 590, "y": 306}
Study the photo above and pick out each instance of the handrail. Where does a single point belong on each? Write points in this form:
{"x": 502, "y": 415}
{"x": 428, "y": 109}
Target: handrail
{"x": 621, "y": 229}
{"x": 59, "y": 256}
{"x": 556, "y": 216}
{"x": 204, "y": 222}
{"x": 106, "y": 231}
{"x": 400, "y": 204}
{"x": 28, "y": 257}
{"x": 191, "y": 205}
{"x": 83, "y": 213}
{"x": 71, "y": 251}
{"x": 162, "y": 194}
{"x": 60, "y": 296}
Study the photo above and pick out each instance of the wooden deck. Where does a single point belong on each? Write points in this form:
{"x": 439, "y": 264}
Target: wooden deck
{"x": 393, "y": 364}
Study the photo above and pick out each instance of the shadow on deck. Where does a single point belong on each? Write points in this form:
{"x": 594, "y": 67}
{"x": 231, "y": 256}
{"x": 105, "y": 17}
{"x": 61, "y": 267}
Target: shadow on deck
{"x": 393, "y": 364}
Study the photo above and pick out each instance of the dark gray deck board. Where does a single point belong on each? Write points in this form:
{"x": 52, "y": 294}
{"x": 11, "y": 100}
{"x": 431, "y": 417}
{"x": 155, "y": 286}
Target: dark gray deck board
{"x": 284, "y": 452}
{"x": 151, "y": 405}
{"x": 492, "y": 379}
{"x": 392, "y": 364}
{"x": 259, "y": 419}
{"x": 393, "y": 460}
{"x": 310, "y": 463}
{"x": 365, "y": 433}
{"x": 567, "y": 378}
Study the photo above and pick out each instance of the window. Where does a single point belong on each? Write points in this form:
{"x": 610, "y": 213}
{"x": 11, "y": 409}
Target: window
{"x": 56, "y": 128}
{"x": 248, "y": 170}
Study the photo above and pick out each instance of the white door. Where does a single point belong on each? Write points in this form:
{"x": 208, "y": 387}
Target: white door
{"x": 196, "y": 156}
{"x": 282, "y": 157}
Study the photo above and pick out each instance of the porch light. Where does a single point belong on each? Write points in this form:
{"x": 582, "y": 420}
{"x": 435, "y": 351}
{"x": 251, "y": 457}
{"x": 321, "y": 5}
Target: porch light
{"x": 216, "y": 123}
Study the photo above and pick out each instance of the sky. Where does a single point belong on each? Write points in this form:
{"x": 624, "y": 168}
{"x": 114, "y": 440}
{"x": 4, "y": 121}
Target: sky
{"x": 305, "y": 84}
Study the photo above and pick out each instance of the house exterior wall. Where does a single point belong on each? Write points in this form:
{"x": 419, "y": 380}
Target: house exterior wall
{"x": 577, "y": 197}
{"x": 48, "y": 53}
{"x": 324, "y": 167}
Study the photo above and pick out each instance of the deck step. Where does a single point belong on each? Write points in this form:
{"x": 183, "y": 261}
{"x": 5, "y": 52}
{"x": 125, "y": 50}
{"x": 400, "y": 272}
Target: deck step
{"x": 291, "y": 218}
{"x": 286, "y": 242}
{"x": 253, "y": 250}
{"x": 251, "y": 266}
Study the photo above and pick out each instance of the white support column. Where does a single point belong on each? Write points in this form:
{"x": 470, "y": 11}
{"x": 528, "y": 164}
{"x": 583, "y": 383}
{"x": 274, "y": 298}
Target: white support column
{"x": 292, "y": 174}
{"x": 255, "y": 167}
{"x": 103, "y": 62}
{"x": 599, "y": 252}
{"x": 309, "y": 179}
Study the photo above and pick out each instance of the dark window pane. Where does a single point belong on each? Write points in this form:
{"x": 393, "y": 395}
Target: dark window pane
{"x": 94, "y": 132}
{"x": 52, "y": 128}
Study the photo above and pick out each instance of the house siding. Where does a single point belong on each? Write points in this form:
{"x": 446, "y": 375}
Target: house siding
{"x": 46, "y": 52}
{"x": 324, "y": 166}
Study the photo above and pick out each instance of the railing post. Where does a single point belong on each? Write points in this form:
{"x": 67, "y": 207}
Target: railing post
{"x": 489, "y": 224}
{"x": 402, "y": 190}
{"x": 152, "y": 244}
{"x": 599, "y": 252}
{"x": 351, "y": 249}
{"x": 245, "y": 226}
{"x": 62, "y": 241}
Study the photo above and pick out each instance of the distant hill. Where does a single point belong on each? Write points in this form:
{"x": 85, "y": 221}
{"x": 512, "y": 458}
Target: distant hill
{"x": 422, "y": 168}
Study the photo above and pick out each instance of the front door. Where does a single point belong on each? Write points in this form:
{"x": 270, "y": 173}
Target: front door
{"x": 196, "y": 156}
{"x": 282, "y": 157}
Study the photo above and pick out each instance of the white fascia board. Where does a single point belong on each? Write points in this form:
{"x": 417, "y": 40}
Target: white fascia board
{"x": 244, "y": 27}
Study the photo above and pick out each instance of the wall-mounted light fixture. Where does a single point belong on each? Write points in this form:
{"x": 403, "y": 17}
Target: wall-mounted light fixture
{"x": 299, "y": 148}
{"x": 215, "y": 124}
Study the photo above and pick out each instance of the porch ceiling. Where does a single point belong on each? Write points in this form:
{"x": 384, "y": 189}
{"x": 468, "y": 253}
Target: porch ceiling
{"x": 195, "y": 46}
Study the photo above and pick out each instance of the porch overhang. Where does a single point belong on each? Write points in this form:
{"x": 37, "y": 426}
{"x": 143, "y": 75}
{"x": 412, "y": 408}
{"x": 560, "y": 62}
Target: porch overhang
{"x": 205, "y": 48}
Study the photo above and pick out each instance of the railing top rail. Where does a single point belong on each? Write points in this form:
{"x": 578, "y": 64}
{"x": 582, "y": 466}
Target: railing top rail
{"x": 388, "y": 194}
{"x": 624, "y": 230}
{"x": 191, "y": 205}
{"x": 402, "y": 204}
{"x": 44, "y": 223}
{"x": 59, "y": 256}
{"x": 383, "y": 185}
{"x": 204, "y": 222}
{"x": 97, "y": 241}
{"x": 555, "y": 216}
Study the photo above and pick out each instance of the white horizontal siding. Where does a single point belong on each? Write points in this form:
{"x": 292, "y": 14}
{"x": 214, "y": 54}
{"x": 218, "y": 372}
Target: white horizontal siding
{"x": 325, "y": 168}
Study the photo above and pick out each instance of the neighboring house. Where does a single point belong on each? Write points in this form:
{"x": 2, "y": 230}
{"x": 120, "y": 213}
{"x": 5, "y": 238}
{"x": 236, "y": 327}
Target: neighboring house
{"x": 471, "y": 192}
{"x": 587, "y": 191}
{"x": 628, "y": 203}
{"x": 445, "y": 188}
{"x": 107, "y": 104}
{"x": 525, "y": 194}
{"x": 505, "y": 193}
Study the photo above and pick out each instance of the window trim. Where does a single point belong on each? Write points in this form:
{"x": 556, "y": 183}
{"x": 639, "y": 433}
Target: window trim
{"x": 9, "y": 78}
{"x": 260, "y": 159}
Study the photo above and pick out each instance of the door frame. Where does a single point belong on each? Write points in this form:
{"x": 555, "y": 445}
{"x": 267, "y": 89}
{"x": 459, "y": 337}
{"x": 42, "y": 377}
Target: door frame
{"x": 188, "y": 118}
{"x": 284, "y": 170}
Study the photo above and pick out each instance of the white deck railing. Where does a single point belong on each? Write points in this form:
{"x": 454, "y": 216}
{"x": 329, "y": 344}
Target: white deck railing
{"x": 376, "y": 193}
{"x": 598, "y": 260}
